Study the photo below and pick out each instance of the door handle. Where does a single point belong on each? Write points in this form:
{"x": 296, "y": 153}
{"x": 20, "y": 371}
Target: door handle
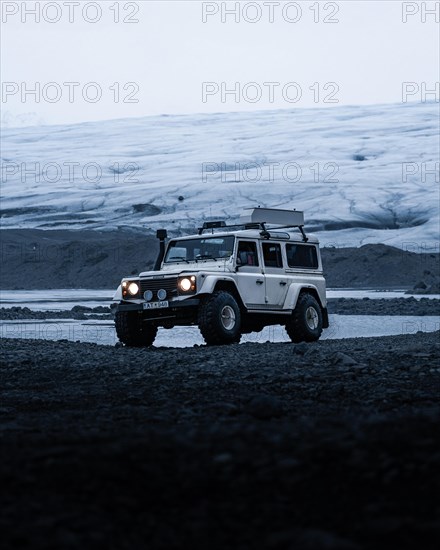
{"x": 259, "y": 281}
{"x": 283, "y": 283}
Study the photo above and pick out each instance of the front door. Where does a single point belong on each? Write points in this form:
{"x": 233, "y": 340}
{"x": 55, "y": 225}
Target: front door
{"x": 275, "y": 277}
{"x": 250, "y": 280}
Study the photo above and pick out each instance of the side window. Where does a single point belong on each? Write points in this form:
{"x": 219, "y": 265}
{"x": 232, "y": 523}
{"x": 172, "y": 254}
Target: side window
{"x": 247, "y": 253}
{"x": 302, "y": 255}
{"x": 272, "y": 255}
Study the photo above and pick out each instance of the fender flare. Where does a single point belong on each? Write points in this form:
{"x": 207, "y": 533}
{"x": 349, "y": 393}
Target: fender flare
{"x": 294, "y": 292}
{"x": 210, "y": 282}
{"x": 224, "y": 283}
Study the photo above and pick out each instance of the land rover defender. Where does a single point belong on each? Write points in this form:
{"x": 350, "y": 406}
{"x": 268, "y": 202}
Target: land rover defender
{"x": 229, "y": 281}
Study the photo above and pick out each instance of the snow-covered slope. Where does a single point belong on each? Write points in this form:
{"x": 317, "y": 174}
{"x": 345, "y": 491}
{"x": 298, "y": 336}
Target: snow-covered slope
{"x": 343, "y": 166}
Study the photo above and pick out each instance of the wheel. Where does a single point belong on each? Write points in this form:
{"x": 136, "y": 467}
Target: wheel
{"x": 305, "y": 325}
{"x": 132, "y": 331}
{"x": 220, "y": 319}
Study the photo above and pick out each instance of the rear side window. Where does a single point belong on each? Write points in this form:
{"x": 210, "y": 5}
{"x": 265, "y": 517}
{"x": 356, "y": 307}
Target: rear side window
{"x": 272, "y": 255}
{"x": 302, "y": 255}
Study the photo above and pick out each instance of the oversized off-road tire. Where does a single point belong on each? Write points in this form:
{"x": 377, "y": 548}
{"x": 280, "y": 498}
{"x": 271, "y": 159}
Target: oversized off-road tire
{"x": 132, "y": 331}
{"x": 305, "y": 325}
{"x": 220, "y": 319}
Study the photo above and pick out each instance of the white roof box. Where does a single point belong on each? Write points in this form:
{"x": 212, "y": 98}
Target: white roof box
{"x": 273, "y": 216}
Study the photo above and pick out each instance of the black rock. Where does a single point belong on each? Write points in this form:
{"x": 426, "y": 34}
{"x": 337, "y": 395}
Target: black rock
{"x": 265, "y": 406}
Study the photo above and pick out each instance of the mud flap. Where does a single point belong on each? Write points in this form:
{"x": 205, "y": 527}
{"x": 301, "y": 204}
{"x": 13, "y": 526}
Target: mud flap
{"x": 325, "y": 323}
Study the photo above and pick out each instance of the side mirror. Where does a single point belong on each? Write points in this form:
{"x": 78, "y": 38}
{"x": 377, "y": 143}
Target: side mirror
{"x": 238, "y": 262}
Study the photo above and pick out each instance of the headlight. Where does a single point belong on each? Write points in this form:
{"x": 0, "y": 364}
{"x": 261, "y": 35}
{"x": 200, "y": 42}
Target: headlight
{"x": 187, "y": 284}
{"x": 133, "y": 288}
{"x": 129, "y": 289}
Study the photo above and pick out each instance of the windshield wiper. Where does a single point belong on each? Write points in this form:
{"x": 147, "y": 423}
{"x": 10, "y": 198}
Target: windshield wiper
{"x": 176, "y": 260}
{"x": 205, "y": 257}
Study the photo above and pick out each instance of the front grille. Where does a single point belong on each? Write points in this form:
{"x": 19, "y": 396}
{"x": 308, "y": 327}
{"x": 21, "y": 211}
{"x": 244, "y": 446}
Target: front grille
{"x": 169, "y": 284}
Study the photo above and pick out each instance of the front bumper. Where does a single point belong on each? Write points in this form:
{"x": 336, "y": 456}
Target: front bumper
{"x": 174, "y": 306}
{"x": 180, "y": 312}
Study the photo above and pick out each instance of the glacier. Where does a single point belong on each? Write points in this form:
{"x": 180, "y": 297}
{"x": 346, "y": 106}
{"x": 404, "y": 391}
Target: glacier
{"x": 362, "y": 174}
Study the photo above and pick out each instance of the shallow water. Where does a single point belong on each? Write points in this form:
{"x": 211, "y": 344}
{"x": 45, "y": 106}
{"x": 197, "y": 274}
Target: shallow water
{"x": 65, "y": 299}
{"x": 55, "y": 300}
{"x": 376, "y": 294}
{"x": 103, "y": 332}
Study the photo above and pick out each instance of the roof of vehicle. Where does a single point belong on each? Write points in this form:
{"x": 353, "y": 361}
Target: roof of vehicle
{"x": 275, "y": 235}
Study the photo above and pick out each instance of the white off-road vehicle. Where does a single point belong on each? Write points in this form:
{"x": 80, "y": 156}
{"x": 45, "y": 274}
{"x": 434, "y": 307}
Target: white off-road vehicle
{"x": 229, "y": 280}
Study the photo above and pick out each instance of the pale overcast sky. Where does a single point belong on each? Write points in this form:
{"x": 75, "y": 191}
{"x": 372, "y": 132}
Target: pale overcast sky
{"x": 356, "y": 52}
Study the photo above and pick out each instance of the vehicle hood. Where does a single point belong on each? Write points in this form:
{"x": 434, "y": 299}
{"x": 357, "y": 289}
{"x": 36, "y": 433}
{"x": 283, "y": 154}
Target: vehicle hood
{"x": 192, "y": 267}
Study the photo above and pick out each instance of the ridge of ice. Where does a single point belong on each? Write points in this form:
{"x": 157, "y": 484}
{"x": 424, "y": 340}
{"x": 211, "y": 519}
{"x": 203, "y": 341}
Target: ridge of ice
{"x": 373, "y": 201}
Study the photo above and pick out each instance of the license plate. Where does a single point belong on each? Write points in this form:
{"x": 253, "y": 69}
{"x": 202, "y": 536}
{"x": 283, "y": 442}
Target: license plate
{"x": 156, "y": 305}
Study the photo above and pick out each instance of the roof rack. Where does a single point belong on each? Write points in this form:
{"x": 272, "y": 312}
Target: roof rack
{"x": 259, "y": 218}
{"x": 221, "y": 224}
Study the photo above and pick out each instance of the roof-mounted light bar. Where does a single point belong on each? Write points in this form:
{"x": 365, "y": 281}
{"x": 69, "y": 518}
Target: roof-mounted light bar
{"x": 212, "y": 225}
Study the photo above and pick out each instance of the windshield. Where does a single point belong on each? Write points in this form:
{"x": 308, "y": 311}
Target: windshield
{"x": 203, "y": 248}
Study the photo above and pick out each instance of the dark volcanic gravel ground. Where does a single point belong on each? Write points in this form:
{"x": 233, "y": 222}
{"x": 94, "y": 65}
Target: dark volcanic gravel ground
{"x": 332, "y": 445}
